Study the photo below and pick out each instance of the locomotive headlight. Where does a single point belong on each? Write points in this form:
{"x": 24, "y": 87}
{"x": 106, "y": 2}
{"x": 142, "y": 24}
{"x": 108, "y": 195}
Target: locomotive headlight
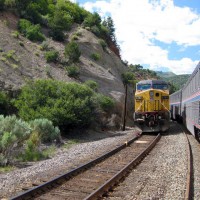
{"x": 151, "y": 93}
{"x": 138, "y": 97}
{"x": 159, "y": 117}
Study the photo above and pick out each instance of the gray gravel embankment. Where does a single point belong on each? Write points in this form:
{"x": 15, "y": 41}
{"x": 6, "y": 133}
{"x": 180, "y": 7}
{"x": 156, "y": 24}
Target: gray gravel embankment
{"x": 195, "y": 146}
{"x": 161, "y": 175}
{"x": 92, "y": 144}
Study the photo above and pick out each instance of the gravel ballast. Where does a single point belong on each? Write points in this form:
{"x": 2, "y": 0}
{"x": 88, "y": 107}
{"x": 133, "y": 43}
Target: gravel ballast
{"x": 162, "y": 174}
{"x": 92, "y": 144}
{"x": 195, "y": 146}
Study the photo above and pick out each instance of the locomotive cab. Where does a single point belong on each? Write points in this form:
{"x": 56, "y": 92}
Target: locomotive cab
{"x": 152, "y": 105}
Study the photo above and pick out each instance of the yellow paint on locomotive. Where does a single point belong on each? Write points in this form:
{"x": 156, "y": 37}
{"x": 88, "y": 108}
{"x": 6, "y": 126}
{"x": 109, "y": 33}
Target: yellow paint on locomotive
{"x": 151, "y": 100}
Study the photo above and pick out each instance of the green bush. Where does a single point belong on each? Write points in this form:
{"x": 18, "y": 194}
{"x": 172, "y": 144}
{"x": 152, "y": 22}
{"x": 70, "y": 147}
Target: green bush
{"x": 92, "y": 20}
{"x": 44, "y": 46}
{"x": 15, "y": 34}
{"x": 4, "y": 103}
{"x": 33, "y": 14}
{"x": 23, "y": 26}
{"x": 72, "y": 51}
{"x": 76, "y": 12}
{"x": 32, "y": 32}
{"x": 45, "y": 129}
{"x": 13, "y": 133}
{"x": 73, "y": 71}
{"x": 57, "y": 34}
{"x": 61, "y": 20}
{"x": 92, "y": 84}
{"x": 103, "y": 43}
{"x": 51, "y": 56}
{"x": 95, "y": 56}
{"x": 31, "y": 151}
{"x": 104, "y": 102}
{"x": 65, "y": 104}
{"x": 96, "y": 30}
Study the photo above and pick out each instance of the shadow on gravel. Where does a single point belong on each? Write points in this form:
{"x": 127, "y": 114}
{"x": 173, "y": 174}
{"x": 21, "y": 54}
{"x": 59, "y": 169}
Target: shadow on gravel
{"x": 91, "y": 135}
{"x": 175, "y": 129}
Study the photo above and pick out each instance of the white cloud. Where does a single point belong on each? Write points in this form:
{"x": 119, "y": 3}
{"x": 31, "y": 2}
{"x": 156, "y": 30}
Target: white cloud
{"x": 139, "y": 22}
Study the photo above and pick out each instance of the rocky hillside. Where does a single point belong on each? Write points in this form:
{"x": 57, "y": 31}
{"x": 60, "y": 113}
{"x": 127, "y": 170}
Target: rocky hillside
{"x": 22, "y": 60}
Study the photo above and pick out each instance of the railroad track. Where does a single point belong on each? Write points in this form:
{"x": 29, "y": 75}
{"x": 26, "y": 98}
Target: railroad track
{"x": 144, "y": 184}
{"x": 95, "y": 178}
{"x": 189, "y": 184}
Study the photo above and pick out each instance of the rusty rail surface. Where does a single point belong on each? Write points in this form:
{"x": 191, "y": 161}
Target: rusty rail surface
{"x": 122, "y": 173}
{"x": 31, "y": 193}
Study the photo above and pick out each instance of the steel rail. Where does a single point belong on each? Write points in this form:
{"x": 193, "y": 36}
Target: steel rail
{"x": 116, "y": 178}
{"x": 188, "y": 192}
{"x": 35, "y": 190}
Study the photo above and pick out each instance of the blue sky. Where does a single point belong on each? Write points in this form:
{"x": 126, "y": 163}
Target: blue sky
{"x": 158, "y": 34}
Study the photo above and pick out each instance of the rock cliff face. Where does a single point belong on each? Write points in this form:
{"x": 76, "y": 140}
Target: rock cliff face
{"x": 22, "y": 60}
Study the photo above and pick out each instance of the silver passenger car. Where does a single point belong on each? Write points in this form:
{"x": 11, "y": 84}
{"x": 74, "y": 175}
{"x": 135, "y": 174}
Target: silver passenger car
{"x": 175, "y": 105}
{"x": 185, "y": 103}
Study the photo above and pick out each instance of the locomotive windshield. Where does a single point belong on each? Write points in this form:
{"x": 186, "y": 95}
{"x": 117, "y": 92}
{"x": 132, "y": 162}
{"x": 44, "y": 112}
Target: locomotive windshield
{"x": 143, "y": 86}
{"x": 154, "y": 86}
{"x": 160, "y": 86}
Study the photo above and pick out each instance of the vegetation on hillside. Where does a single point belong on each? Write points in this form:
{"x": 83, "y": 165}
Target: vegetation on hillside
{"x": 59, "y": 16}
{"x": 165, "y": 74}
{"x": 45, "y": 107}
{"x": 21, "y": 140}
{"x": 178, "y": 81}
{"x": 137, "y": 72}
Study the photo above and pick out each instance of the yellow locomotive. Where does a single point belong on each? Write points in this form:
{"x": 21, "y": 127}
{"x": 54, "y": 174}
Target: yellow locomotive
{"x": 152, "y": 106}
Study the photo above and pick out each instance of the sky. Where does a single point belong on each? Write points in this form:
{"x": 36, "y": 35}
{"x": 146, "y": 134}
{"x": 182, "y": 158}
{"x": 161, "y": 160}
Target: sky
{"x": 161, "y": 35}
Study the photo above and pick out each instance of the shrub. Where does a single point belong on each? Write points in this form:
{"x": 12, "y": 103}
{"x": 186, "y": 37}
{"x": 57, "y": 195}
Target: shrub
{"x": 4, "y": 103}
{"x": 72, "y": 51}
{"x": 96, "y": 30}
{"x": 34, "y": 33}
{"x": 104, "y": 102}
{"x": 33, "y": 13}
{"x": 73, "y": 71}
{"x": 15, "y": 34}
{"x": 51, "y": 56}
{"x": 92, "y": 84}
{"x": 44, "y": 46}
{"x": 21, "y": 43}
{"x": 92, "y": 20}
{"x": 31, "y": 151}
{"x": 65, "y": 104}
{"x": 45, "y": 129}
{"x": 75, "y": 37}
{"x": 57, "y": 34}
{"x": 95, "y": 56}
{"x": 13, "y": 133}
{"x": 61, "y": 20}
{"x": 23, "y": 26}
{"x": 103, "y": 43}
